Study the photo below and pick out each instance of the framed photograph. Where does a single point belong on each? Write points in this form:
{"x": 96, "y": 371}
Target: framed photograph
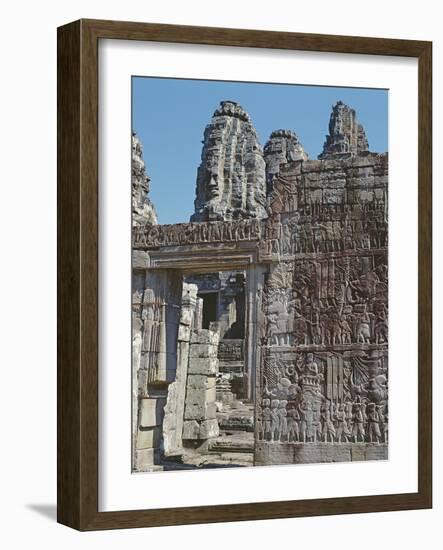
{"x": 244, "y": 275}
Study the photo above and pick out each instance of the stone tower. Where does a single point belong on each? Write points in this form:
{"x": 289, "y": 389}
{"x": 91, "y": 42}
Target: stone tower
{"x": 231, "y": 179}
{"x": 347, "y": 138}
{"x": 282, "y": 147}
{"x": 143, "y": 210}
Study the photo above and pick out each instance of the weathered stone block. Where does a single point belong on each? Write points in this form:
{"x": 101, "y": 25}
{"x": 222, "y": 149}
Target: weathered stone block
{"x": 148, "y": 438}
{"x": 140, "y": 259}
{"x": 203, "y": 350}
{"x": 161, "y": 366}
{"x": 195, "y": 395}
{"x": 200, "y": 395}
{"x": 205, "y": 336}
{"x": 191, "y": 429}
{"x": 203, "y": 365}
{"x": 201, "y": 381}
{"x": 151, "y": 412}
{"x": 186, "y": 316}
{"x": 184, "y": 333}
{"x": 298, "y": 453}
{"x": 210, "y": 395}
{"x": 200, "y": 411}
{"x": 144, "y": 459}
{"x": 208, "y": 429}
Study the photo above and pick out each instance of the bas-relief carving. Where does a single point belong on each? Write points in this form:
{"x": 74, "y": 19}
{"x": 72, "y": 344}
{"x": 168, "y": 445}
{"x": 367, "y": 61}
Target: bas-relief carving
{"x": 322, "y": 242}
{"x": 324, "y": 398}
{"x": 155, "y": 236}
{"x": 324, "y": 371}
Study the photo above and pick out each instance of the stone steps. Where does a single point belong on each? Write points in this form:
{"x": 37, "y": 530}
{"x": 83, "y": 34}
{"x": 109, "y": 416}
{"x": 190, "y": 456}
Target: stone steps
{"x": 233, "y": 444}
{"x": 238, "y": 416}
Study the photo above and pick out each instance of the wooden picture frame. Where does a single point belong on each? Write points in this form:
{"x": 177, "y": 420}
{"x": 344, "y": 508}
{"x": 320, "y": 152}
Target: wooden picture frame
{"x": 78, "y": 274}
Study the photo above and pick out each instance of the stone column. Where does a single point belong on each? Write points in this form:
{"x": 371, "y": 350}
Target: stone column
{"x": 175, "y": 405}
{"x": 254, "y": 290}
{"x": 200, "y": 421}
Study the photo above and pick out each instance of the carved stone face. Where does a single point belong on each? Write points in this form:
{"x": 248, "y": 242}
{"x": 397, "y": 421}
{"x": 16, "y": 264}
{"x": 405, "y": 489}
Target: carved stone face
{"x": 212, "y": 189}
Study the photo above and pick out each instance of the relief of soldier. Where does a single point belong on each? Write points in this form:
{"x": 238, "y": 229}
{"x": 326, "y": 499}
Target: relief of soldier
{"x": 294, "y": 408}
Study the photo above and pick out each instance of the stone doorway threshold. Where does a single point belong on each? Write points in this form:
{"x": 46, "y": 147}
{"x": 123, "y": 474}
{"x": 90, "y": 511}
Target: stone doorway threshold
{"x": 234, "y": 447}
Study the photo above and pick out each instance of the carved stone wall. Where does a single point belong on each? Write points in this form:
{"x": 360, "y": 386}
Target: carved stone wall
{"x": 282, "y": 147}
{"x": 316, "y": 303}
{"x": 323, "y": 386}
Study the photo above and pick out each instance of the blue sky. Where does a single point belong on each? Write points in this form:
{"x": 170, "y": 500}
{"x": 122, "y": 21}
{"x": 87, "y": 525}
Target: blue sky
{"x": 170, "y": 115}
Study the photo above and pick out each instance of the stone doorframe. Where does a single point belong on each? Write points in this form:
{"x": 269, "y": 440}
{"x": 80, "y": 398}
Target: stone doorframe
{"x": 184, "y": 260}
{"x": 211, "y": 258}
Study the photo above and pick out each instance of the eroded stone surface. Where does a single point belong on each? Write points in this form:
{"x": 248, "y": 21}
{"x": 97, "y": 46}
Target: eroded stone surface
{"x": 231, "y": 180}
{"x": 200, "y": 403}
{"x": 282, "y": 147}
{"x": 346, "y": 135}
{"x": 315, "y": 302}
{"x": 143, "y": 210}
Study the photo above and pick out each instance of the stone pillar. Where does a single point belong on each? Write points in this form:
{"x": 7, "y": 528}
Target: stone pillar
{"x": 254, "y": 291}
{"x": 175, "y": 405}
{"x": 197, "y": 323}
{"x": 200, "y": 420}
{"x": 156, "y": 325}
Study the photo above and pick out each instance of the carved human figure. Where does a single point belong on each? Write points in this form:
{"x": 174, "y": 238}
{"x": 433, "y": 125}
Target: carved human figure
{"x": 342, "y": 424}
{"x": 273, "y": 328}
{"x": 311, "y": 367}
{"x": 283, "y": 428}
{"x": 286, "y": 238}
{"x": 326, "y": 325}
{"x": 293, "y": 391}
{"x": 383, "y": 234}
{"x": 337, "y": 231}
{"x": 267, "y": 419}
{"x": 319, "y": 237}
{"x": 317, "y": 423}
{"x": 309, "y": 235}
{"x": 364, "y": 328}
{"x": 307, "y": 421}
{"x": 302, "y": 238}
{"x": 358, "y": 420}
{"x": 373, "y": 418}
{"x": 348, "y": 237}
{"x": 335, "y": 328}
{"x": 301, "y": 336}
{"x": 275, "y": 420}
{"x": 381, "y": 326}
{"x": 328, "y": 432}
{"x": 346, "y": 331}
{"x": 384, "y": 423}
{"x": 315, "y": 324}
{"x": 259, "y": 426}
{"x": 329, "y": 228}
{"x": 373, "y": 233}
{"x": 293, "y": 419}
{"x": 349, "y": 413}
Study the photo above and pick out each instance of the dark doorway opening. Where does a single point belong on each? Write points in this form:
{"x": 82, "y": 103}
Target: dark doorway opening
{"x": 209, "y": 308}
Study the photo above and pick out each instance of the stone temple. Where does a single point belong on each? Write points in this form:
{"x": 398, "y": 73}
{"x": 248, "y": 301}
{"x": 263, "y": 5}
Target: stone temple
{"x": 260, "y": 328}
